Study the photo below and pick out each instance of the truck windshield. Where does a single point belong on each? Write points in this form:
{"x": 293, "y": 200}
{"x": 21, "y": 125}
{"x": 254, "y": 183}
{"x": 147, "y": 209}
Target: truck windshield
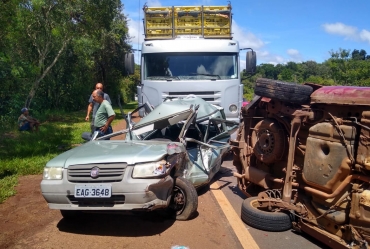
{"x": 190, "y": 66}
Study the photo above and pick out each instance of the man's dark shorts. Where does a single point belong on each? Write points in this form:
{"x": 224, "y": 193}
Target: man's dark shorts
{"x": 25, "y": 127}
{"x": 108, "y": 131}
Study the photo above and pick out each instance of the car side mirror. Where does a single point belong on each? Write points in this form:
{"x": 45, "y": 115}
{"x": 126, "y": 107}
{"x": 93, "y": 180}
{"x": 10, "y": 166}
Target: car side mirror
{"x": 129, "y": 63}
{"x": 251, "y": 62}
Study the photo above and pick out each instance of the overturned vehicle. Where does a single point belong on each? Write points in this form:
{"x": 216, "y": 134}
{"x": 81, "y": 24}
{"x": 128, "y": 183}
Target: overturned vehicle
{"x": 302, "y": 156}
{"x": 158, "y": 164}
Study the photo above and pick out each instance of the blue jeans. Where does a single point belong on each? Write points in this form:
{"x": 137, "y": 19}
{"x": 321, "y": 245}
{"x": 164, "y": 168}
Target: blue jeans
{"x": 108, "y": 131}
{"x": 25, "y": 127}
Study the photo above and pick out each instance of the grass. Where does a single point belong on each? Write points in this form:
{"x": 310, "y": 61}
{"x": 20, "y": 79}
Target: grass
{"x": 25, "y": 153}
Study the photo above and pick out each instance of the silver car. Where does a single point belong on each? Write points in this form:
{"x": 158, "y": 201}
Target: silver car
{"x": 176, "y": 148}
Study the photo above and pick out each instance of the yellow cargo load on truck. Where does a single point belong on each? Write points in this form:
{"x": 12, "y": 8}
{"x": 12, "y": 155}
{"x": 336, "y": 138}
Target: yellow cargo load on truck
{"x": 177, "y": 21}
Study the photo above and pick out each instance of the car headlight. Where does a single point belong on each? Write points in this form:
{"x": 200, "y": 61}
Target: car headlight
{"x": 53, "y": 173}
{"x": 147, "y": 170}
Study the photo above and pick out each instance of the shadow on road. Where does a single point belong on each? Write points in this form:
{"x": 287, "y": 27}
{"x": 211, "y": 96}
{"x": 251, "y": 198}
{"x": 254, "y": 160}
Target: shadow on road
{"x": 313, "y": 240}
{"x": 128, "y": 225}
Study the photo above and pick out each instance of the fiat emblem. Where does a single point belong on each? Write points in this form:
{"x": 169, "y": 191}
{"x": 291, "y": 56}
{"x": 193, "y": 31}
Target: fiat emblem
{"x": 94, "y": 173}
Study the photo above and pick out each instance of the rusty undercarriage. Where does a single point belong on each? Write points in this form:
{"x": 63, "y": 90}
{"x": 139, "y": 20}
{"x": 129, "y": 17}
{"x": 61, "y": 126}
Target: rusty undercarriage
{"x": 303, "y": 160}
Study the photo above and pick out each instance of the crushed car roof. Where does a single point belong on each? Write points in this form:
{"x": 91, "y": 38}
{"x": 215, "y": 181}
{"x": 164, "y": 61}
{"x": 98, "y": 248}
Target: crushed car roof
{"x": 181, "y": 107}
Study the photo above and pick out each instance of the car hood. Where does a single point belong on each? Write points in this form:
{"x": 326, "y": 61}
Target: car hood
{"x": 129, "y": 152}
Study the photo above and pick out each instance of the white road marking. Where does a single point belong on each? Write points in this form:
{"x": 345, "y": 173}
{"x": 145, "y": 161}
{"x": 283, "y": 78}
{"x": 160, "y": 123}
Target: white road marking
{"x": 245, "y": 238}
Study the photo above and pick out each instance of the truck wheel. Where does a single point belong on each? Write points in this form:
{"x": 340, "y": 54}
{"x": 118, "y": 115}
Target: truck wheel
{"x": 263, "y": 219}
{"x": 184, "y": 201}
{"x": 284, "y": 91}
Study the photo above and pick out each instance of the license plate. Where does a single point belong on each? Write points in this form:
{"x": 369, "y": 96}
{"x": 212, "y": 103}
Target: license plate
{"x": 93, "y": 191}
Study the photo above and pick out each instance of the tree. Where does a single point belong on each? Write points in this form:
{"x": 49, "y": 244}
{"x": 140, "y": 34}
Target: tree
{"x": 286, "y": 75}
{"x": 292, "y": 66}
{"x": 267, "y": 71}
{"x": 53, "y": 52}
{"x": 359, "y": 55}
{"x": 47, "y": 27}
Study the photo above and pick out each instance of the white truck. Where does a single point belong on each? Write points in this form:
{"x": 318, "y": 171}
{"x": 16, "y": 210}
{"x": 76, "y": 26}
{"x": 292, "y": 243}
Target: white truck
{"x": 190, "y": 50}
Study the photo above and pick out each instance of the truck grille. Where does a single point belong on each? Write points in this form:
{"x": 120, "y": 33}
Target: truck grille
{"x": 209, "y": 96}
{"x": 97, "y": 202}
{"x": 81, "y": 173}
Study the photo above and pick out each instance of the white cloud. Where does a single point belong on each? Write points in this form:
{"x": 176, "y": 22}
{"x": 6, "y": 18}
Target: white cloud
{"x": 242, "y": 64}
{"x": 246, "y": 39}
{"x": 267, "y": 58}
{"x": 365, "y": 35}
{"x": 152, "y": 3}
{"x": 137, "y": 37}
{"x": 292, "y": 52}
{"x": 341, "y": 29}
{"x": 295, "y": 55}
{"x": 349, "y": 32}
{"x": 136, "y": 31}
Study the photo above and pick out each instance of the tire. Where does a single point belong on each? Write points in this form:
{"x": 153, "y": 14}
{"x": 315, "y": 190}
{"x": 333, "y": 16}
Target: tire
{"x": 284, "y": 91}
{"x": 264, "y": 220}
{"x": 184, "y": 200}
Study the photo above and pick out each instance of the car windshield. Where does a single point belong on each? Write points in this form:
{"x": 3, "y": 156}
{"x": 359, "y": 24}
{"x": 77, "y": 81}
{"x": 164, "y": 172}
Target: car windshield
{"x": 190, "y": 66}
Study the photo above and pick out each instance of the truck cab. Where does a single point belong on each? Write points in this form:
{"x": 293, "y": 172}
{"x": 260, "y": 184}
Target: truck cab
{"x": 190, "y": 50}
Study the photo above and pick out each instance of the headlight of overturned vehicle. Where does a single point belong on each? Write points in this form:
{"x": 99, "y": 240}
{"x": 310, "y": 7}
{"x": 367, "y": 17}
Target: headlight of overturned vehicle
{"x": 53, "y": 173}
{"x": 149, "y": 170}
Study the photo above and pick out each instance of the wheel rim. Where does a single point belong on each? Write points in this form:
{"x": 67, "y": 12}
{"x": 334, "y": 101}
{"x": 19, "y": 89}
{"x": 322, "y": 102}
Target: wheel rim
{"x": 256, "y": 205}
{"x": 269, "y": 141}
{"x": 266, "y": 141}
{"x": 179, "y": 200}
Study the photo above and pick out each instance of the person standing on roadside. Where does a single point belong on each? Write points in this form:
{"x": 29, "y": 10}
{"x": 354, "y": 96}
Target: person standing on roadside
{"x": 104, "y": 114}
{"x": 93, "y": 106}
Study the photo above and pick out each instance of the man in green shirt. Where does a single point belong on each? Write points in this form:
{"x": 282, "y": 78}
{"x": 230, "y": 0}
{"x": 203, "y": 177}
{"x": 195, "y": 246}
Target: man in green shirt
{"x": 104, "y": 115}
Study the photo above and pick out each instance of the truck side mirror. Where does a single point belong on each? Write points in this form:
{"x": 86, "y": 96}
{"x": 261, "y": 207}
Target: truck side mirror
{"x": 251, "y": 62}
{"x": 129, "y": 63}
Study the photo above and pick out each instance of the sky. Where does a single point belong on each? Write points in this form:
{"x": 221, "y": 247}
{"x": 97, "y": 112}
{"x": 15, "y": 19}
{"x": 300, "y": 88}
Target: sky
{"x": 280, "y": 31}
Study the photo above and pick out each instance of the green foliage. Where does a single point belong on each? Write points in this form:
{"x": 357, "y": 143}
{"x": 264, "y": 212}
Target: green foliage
{"x": 53, "y": 53}
{"x": 129, "y": 84}
{"x": 7, "y": 185}
{"x": 286, "y": 75}
{"x": 343, "y": 68}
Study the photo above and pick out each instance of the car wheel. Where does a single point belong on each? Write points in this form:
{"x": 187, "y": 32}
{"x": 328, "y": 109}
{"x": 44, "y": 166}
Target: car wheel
{"x": 184, "y": 200}
{"x": 70, "y": 214}
{"x": 269, "y": 141}
{"x": 284, "y": 91}
{"x": 264, "y": 219}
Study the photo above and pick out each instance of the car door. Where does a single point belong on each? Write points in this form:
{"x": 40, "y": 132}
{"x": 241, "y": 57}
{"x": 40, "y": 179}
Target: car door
{"x": 207, "y": 156}
{"x": 217, "y": 137}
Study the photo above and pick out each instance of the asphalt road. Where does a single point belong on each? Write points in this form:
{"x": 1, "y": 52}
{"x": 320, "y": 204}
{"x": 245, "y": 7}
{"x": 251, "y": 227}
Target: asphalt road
{"x": 277, "y": 240}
